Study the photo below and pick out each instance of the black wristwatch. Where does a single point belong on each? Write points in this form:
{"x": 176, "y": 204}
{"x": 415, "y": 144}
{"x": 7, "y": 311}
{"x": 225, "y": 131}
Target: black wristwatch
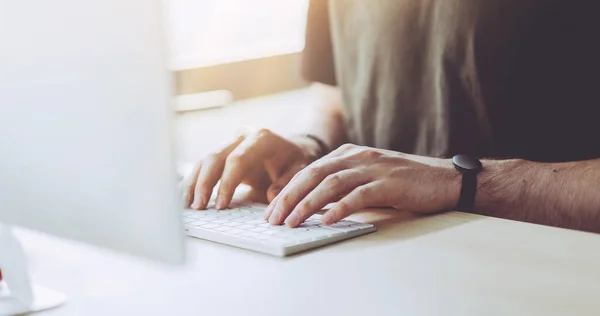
{"x": 469, "y": 167}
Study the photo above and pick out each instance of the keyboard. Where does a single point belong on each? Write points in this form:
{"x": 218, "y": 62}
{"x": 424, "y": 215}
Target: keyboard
{"x": 243, "y": 225}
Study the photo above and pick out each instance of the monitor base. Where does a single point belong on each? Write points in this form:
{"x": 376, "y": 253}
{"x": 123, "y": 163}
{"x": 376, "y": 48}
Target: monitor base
{"x": 17, "y": 294}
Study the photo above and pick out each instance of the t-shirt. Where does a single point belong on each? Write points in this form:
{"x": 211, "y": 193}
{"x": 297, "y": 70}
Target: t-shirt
{"x": 489, "y": 78}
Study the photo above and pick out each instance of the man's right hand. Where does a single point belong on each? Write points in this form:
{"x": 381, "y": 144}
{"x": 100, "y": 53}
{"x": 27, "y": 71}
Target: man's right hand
{"x": 261, "y": 159}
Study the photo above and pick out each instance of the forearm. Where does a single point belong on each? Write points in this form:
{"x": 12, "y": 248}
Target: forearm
{"x": 557, "y": 194}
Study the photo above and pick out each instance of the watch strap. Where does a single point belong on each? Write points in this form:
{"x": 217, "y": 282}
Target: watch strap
{"x": 469, "y": 167}
{"x": 468, "y": 191}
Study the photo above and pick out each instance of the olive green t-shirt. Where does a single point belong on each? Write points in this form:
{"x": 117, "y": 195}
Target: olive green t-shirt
{"x": 490, "y": 78}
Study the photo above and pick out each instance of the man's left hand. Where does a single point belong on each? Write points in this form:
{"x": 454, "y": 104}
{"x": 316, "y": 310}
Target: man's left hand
{"x": 362, "y": 177}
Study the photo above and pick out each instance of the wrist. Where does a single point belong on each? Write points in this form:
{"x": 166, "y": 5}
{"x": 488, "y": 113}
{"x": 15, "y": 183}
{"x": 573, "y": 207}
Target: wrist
{"x": 309, "y": 148}
{"x": 498, "y": 183}
{"x": 312, "y": 147}
{"x": 454, "y": 181}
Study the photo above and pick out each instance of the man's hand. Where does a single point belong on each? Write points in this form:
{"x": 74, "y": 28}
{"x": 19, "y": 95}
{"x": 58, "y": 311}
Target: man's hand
{"x": 366, "y": 177}
{"x": 261, "y": 159}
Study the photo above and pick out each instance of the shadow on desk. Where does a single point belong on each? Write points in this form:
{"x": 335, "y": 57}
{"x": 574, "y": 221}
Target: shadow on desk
{"x": 396, "y": 226}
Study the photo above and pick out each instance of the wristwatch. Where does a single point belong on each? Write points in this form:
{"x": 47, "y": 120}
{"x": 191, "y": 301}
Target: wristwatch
{"x": 469, "y": 167}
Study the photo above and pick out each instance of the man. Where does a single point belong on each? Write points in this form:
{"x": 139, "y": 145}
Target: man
{"x": 511, "y": 80}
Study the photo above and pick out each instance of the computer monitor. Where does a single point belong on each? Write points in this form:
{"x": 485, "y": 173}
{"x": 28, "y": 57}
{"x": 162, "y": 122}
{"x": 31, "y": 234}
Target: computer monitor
{"x": 85, "y": 141}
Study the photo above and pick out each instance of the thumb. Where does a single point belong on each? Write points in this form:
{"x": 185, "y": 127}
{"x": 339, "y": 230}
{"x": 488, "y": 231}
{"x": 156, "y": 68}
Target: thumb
{"x": 282, "y": 181}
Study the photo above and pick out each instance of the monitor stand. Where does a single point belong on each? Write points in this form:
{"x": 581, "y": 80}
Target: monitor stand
{"x": 17, "y": 294}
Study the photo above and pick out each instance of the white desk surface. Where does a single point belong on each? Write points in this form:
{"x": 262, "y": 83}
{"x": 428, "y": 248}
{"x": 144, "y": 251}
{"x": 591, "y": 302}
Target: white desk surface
{"x": 448, "y": 264}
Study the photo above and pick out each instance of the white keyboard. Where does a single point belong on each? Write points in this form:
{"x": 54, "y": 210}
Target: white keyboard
{"x": 243, "y": 226}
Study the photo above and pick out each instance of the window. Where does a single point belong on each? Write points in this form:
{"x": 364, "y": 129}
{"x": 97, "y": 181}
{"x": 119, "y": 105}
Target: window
{"x": 212, "y": 32}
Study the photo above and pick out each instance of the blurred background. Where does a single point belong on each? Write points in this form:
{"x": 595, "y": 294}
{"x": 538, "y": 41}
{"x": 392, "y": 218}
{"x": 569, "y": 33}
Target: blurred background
{"x": 235, "y": 64}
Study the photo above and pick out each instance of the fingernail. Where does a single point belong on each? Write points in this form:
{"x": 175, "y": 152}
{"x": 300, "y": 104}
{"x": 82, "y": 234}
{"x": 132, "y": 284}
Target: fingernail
{"x": 220, "y": 204}
{"x": 274, "y": 220}
{"x": 292, "y": 220}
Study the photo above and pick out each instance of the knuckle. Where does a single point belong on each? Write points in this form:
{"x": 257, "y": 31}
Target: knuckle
{"x": 346, "y": 147}
{"x": 235, "y": 159}
{"x": 370, "y": 153}
{"x": 363, "y": 192}
{"x": 333, "y": 180}
{"x": 341, "y": 208}
{"x": 313, "y": 171}
{"x": 212, "y": 158}
{"x": 284, "y": 200}
{"x": 264, "y": 133}
{"x": 304, "y": 209}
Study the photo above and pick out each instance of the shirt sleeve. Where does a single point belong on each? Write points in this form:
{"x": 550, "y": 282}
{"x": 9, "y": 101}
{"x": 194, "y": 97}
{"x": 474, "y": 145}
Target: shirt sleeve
{"x": 317, "y": 63}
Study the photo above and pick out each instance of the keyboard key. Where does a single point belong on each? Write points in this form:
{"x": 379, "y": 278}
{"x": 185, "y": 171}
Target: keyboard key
{"x": 246, "y": 219}
{"x": 233, "y": 216}
{"x": 326, "y": 231}
{"x": 297, "y": 230}
{"x": 219, "y": 221}
{"x": 223, "y": 229}
{"x": 361, "y": 225}
{"x": 211, "y": 226}
{"x": 284, "y": 234}
{"x": 196, "y": 223}
{"x": 235, "y": 231}
{"x": 258, "y": 229}
{"x": 278, "y": 228}
{"x": 311, "y": 224}
{"x": 249, "y": 234}
{"x": 232, "y": 224}
{"x": 246, "y": 226}
{"x": 257, "y": 222}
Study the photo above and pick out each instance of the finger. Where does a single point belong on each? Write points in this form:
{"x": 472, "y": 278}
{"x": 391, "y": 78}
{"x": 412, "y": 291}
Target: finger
{"x": 360, "y": 198}
{"x": 201, "y": 187}
{"x": 326, "y": 192}
{"x": 207, "y": 179}
{"x": 271, "y": 205}
{"x": 187, "y": 186}
{"x": 275, "y": 188}
{"x": 305, "y": 181}
{"x": 249, "y": 154}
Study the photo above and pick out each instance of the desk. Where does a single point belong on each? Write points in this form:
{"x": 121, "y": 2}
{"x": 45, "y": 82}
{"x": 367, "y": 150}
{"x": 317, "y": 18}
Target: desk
{"x": 448, "y": 264}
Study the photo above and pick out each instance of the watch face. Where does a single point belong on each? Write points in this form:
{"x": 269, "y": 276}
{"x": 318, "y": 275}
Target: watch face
{"x": 465, "y": 162}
